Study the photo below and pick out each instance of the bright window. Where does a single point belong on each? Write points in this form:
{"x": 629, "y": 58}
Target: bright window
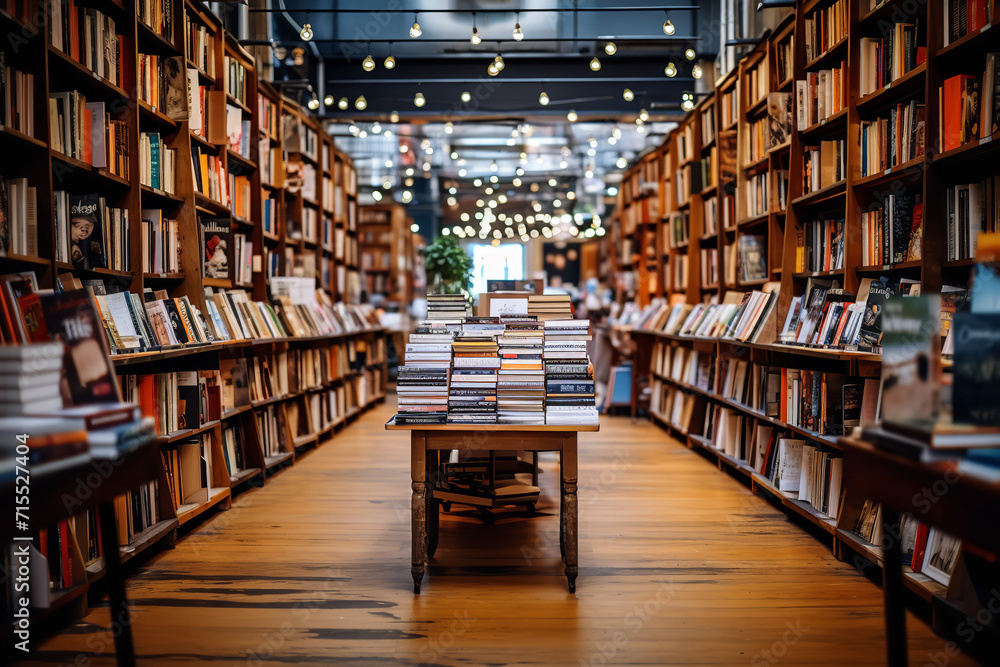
{"x": 489, "y": 262}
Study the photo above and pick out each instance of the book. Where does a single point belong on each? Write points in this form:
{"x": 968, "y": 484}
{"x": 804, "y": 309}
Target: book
{"x": 86, "y": 232}
{"x": 216, "y": 238}
{"x": 911, "y": 374}
{"x": 875, "y": 294}
{"x": 975, "y": 387}
{"x": 72, "y": 318}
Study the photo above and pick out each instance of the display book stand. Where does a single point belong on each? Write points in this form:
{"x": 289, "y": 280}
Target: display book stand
{"x": 428, "y": 442}
{"x": 282, "y": 247}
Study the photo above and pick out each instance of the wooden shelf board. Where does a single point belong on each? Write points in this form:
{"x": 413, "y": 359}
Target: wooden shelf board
{"x": 757, "y": 164}
{"x": 101, "y": 174}
{"x": 236, "y": 412}
{"x": 836, "y": 52}
{"x": 971, "y": 149}
{"x": 892, "y": 92}
{"x": 188, "y": 432}
{"x": 881, "y": 268}
{"x": 822, "y": 195}
{"x": 818, "y": 274}
{"x": 189, "y": 511}
{"x": 230, "y": 99}
{"x": 241, "y": 476}
{"x": 82, "y": 74}
{"x": 147, "y": 538}
{"x": 26, "y": 259}
{"x": 242, "y": 161}
{"x": 9, "y": 133}
{"x": 203, "y": 142}
{"x": 752, "y": 221}
{"x": 960, "y": 263}
{"x": 61, "y": 597}
{"x": 889, "y": 175}
{"x": 162, "y": 195}
{"x": 809, "y": 512}
{"x": 828, "y": 125}
{"x": 150, "y": 112}
{"x": 147, "y": 37}
{"x": 202, "y": 74}
{"x": 959, "y": 46}
{"x": 210, "y": 206}
{"x": 277, "y": 459}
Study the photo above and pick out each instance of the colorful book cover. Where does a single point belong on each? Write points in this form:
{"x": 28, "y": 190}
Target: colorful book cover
{"x": 216, "y": 247}
{"x": 86, "y": 232}
{"x": 88, "y": 376}
{"x": 871, "y": 322}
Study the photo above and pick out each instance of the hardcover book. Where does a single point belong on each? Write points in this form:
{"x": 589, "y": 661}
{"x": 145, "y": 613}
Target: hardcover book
{"x": 216, "y": 233}
{"x": 871, "y": 323}
{"x": 88, "y": 377}
{"x": 86, "y": 232}
{"x": 976, "y": 384}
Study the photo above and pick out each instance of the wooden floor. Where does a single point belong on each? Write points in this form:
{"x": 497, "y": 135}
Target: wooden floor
{"x": 679, "y": 565}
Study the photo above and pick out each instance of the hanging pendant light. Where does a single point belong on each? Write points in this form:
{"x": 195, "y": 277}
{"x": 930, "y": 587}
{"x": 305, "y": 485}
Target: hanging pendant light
{"x": 419, "y": 99}
{"x": 628, "y": 95}
{"x": 307, "y": 32}
{"x": 343, "y": 103}
{"x": 670, "y": 70}
{"x": 361, "y": 103}
{"x": 595, "y": 64}
{"x": 517, "y": 34}
{"x": 415, "y": 30}
{"x": 475, "y": 39}
{"x": 611, "y": 48}
{"x": 543, "y": 99}
{"x": 368, "y": 63}
{"x": 390, "y": 62}
{"x": 668, "y": 27}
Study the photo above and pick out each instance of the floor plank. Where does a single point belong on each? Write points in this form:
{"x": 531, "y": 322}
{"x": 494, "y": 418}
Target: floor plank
{"x": 679, "y": 565}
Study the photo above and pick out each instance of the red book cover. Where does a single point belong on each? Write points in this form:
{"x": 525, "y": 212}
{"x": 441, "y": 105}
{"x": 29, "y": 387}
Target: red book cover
{"x": 951, "y": 111}
{"x": 921, "y": 55}
{"x": 64, "y": 557}
{"x": 33, "y": 318}
{"x": 919, "y": 545}
{"x": 784, "y": 399}
{"x": 88, "y": 138}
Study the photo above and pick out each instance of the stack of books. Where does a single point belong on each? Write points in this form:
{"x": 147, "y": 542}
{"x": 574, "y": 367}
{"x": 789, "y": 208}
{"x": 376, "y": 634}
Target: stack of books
{"x": 29, "y": 378}
{"x": 521, "y": 384}
{"x": 422, "y": 382}
{"x": 472, "y": 396}
{"x": 550, "y": 307}
{"x": 449, "y": 308}
{"x": 569, "y": 375}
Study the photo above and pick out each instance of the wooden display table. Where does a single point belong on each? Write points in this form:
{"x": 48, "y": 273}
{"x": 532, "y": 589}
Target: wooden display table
{"x": 69, "y": 486}
{"x": 898, "y": 483}
{"x": 435, "y": 438}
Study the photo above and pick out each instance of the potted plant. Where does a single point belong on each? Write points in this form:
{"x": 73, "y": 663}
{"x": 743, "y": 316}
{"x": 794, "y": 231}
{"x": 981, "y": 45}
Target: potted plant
{"x": 449, "y": 264}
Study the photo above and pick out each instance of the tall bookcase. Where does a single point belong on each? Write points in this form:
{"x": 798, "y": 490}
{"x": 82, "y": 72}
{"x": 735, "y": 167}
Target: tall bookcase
{"x": 820, "y": 39}
{"x": 278, "y": 224}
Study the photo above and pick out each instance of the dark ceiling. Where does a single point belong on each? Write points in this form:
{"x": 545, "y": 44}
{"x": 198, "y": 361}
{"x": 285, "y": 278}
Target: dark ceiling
{"x": 560, "y": 39}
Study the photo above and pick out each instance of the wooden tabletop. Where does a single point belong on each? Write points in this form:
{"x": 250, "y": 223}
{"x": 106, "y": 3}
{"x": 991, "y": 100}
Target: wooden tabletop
{"x": 391, "y": 425}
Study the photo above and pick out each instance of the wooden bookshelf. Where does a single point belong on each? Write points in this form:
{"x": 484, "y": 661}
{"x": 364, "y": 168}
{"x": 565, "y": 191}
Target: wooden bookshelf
{"x": 739, "y": 101}
{"x": 386, "y": 253}
{"x": 356, "y": 376}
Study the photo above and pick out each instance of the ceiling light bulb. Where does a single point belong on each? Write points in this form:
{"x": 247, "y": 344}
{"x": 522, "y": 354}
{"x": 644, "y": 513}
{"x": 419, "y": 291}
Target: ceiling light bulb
{"x": 299, "y": 56}
{"x": 589, "y": 173}
{"x": 628, "y": 95}
{"x": 670, "y": 70}
{"x": 466, "y": 97}
{"x": 394, "y": 117}
{"x": 494, "y": 179}
{"x": 616, "y": 133}
{"x": 640, "y": 128}
{"x": 689, "y": 54}
{"x": 643, "y": 115}
{"x": 539, "y": 159}
{"x": 610, "y": 48}
{"x": 362, "y": 134}
{"x": 696, "y": 71}
{"x": 329, "y": 101}
{"x": 388, "y": 164}
{"x": 595, "y": 64}
{"x": 543, "y": 99}
{"x": 342, "y": 103}
{"x": 494, "y": 166}
{"x": 361, "y": 103}
{"x": 488, "y": 190}
{"x": 407, "y": 196}
{"x": 516, "y": 182}
{"x": 668, "y": 28}
{"x": 415, "y": 30}
{"x": 390, "y": 62}
{"x": 376, "y": 128}
{"x": 687, "y": 105}
{"x": 462, "y": 173}
{"x": 563, "y": 164}
{"x": 612, "y": 141}
{"x": 408, "y": 182}
{"x": 591, "y": 152}
{"x": 376, "y": 195}
{"x": 556, "y": 203}
{"x": 475, "y": 39}
{"x": 517, "y": 34}
{"x": 419, "y": 100}
{"x": 449, "y": 128}
{"x": 553, "y": 182}
{"x": 353, "y": 129}
{"x": 499, "y": 62}
{"x": 454, "y": 155}
{"x": 307, "y": 32}
{"x": 478, "y": 182}
{"x": 368, "y": 63}
{"x": 571, "y": 116}
{"x": 492, "y": 69}
{"x": 519, "y": 171}
{"x": 314, "y": 103}
{"x": 445, "y": 232}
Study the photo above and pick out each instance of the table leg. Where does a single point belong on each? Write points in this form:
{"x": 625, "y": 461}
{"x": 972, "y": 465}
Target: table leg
{"x": 433, "y": 506}
{"x": 568, "y": 527}
{"x": 121, "y": 621}
{"x": 892, "y": 592}
{"x": 418, "y": 507}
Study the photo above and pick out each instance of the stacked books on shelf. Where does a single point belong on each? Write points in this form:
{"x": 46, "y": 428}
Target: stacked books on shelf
{"x": 827, "y": 316}
{"x": 19, "y": 202}
{"x": 156, "y": 163}
{"x": 819, "y": 96}
{"x": 17, "y": 106}
{"x": 825, "y": 28}
{"x": 970, "y": 106}
{"x": 162, "y": 84}
{"x": 823, "y": 165}
{"x": 521, "y": 376}
{"x": 85, "y": 131}
{"x": 569, "y": 375}
{"x": 472, "y": 394}
{"x": 88, "y": 36}
{"x": 422, "y": 382}
{"x": 891, "y": 232}
{"x": 820, "y": 246}
{"x": 973, "y": 209}
{"x": 883, "y": 60}
{"x": 546, "y": 307}
{"x": 753, "y": 257}
{"x": 892, "y": 140}
{"x": 449, "y": 308}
